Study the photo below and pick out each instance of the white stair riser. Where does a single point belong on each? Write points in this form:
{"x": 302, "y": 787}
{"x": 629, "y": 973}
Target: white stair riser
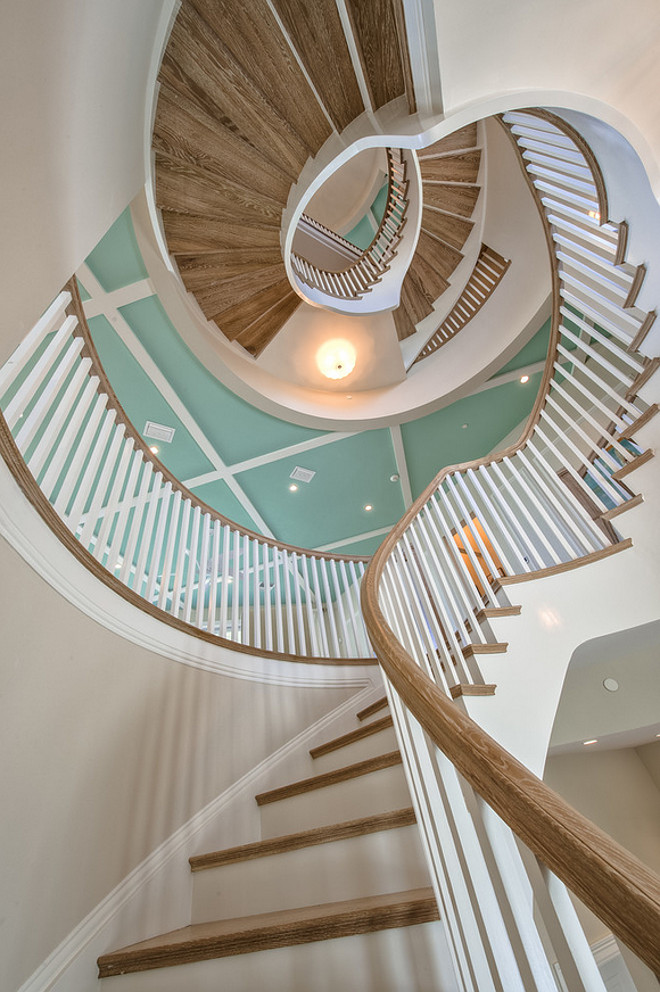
{"x": 377, "y": 792}
{"x": 409, "y": 959}
{"x": 371, "y": 864}
{"x": 368, "y": 747}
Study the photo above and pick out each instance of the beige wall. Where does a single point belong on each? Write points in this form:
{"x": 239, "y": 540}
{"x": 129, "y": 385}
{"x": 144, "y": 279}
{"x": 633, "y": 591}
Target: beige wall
{"x": 107, "y": 749}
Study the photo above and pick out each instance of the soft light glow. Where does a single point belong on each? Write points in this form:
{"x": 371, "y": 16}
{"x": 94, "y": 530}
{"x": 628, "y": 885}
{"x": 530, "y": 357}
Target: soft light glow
{"x": 293, "y": 488}
{"x": 336, "y": 358}
{"x": 368, "y": 507}
{"x": 154, "y": 449}
{"x": 524, "y": 378}
{"x": 594, "y": 741}
{"x": 594, "y": 215}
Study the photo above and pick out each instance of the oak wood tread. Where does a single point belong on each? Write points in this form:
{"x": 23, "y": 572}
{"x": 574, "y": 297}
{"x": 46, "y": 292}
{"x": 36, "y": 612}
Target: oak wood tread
{"x": 354, "y": 735}
{"x": 330, "y": 778}
{"x": 644, "y": 418}
{"x": 625, "y": 470}
{"x": 492, "y": 612}
{"x": 616, "y": 510}
{"x": 305, "y": 838}
{"x": 469, "y": 689}
{"x": 471, "y": 649}
{"x": 372, "y": 708}
{"x": 264, "y": 931}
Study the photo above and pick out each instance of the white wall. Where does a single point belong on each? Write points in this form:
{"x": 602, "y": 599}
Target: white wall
{"x": 107, "y": 750}
{"x": 74, "y": 76}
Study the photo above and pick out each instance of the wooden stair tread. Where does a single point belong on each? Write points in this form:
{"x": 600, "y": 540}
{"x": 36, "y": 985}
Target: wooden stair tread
{"x": 415, "y": 299}
{"x": 454, "y": 199}
{"x": 305, "y": 838}
{"x": 492, "y": 612}
{"x": 458, "y": 167}
{"x": 471, "y": 649}
{"x": 374, "y": 30}
{"x": 184, "y": 130}
{"x": 190, "y": 234}
{"x": 465, "y": 137}
{"x": 330, "y": 778}
{"x": 196, "y": 54}
{"x": 234, "y": 319}
{"x": 354, "y": 735}
{"x": 188, "y": 189}
{"x": 231, "y": 262}
{"x": 253, "y": 36}
{"x": 403, "y": 322}
{"x": 243, "y": 935}
{"x": 471, "y": 689}
{"x": 442, "y": 258}
{"x": 262, "y": 331}
{"x": 452, "y": 230}
{"x": 372, "y": 708}
{"x": 214, "y": 295}
{"x": 434, "y": 284}
{"x": 318, "y": 37}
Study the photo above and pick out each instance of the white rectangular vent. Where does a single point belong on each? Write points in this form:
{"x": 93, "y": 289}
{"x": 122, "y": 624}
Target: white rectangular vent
{"x": 158, "y": 431}
{"x": 302, "y": 474}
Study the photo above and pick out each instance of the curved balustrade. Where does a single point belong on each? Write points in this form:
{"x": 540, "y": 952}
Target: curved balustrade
{"x": 128, "y": 518}
{"x": 357, "y": 279}
{"x": 542, "y": 505}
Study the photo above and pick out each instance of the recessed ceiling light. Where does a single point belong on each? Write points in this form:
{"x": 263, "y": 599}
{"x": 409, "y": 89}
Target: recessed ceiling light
{"x": 349, "y": 397}
{"x": 524, "y": 378}
{"x": 594, "y": 741}
{"x": 610, "y": 684}
{"x": 293, "y": 488}
{"x": 153, "y": 448}
{"x": 463, "y": 426}
{"x": 368, "y": 507}
{"x": 394, "y": 478}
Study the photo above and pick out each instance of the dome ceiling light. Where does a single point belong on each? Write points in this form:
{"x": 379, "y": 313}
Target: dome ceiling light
{"x": 336, "y": 358}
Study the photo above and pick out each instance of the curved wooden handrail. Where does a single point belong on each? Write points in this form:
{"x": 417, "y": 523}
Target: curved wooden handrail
{"x": 77, "y": 309}
{"x": 619, "y": 888}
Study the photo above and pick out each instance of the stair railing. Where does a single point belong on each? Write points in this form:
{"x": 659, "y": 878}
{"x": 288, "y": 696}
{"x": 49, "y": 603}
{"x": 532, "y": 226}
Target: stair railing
{"x": 539, "y": 507}
{"x": 93, "y": 478}
{"x": 359, "y": 278}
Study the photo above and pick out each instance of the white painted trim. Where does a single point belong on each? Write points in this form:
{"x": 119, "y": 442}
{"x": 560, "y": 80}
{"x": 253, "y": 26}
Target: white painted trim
{"x": 605, "y": 949}
{"x": 401, "y": 464}
{"x": 268, "y": 457}
{"x": 179, "y": 885}
{"x": 101, "y": 303}
{"x": 421, "y": 31}
{"x": 353, "y": 540}
{"x": 118, "y": 297}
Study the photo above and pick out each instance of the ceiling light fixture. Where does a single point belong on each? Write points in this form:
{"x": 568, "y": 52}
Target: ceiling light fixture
{"x": 293, "y": 488}
{"x": 524, "y": 378}
{"x": 336, "y": 359}
{"x": 610, "y": 684}
{"x": 368, "y": 507}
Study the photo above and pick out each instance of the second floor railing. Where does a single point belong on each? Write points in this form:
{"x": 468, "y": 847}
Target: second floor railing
{"x": 353, "y": 281}
{"x": 64, "y": 431}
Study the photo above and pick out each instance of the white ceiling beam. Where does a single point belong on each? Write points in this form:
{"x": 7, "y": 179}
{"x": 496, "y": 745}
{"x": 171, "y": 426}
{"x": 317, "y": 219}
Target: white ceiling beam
{"x": 401, "y": 464}
{"x": 354, "y": 540}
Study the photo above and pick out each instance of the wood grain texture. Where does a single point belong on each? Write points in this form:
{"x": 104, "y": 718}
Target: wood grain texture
{"x": 492, "y": 612}
{"x": 230, "y": 261}
{"x": 183, "y": 130}
{"x": 233, "y": 320}
{"x": 464, "y": 138}
{"x": 622, "y": 242}
{"x": 329, "y": 778}
{"x": 262, "y": 331}
{"x": 194, "y": 235}
{"x": 354, "y": 735}
{"x": 415, "y": 299}
{"x": 470, "y": 650}
{"x": 629, "y": 467}
{"x": 458, "y": 167}
{"x": 225, "y": 938}
{"x": 185, "y": 189}
{"x": 617, "y": 510}
{"x": 376, "y": 707}
{"x": 442, "y": 258}
{"x": 427, "y": 275}
{"x": 375, "y": 33}
{"x": 305, "y": 838}
{"x": 452, "y": 230}
{"x": 404, "y": 54}
{"x": 650, "y": 368}
{"x": 317, "y": 35}
{"x": 616, "y": 886}
{"x": 452, "y": 198}
{"x": 631, "y": 429}
{"x": 215, "y": 294}
{"x": 649, "y": 320}
{"x": 252, "y": 34}
{"x": 469, "y": 689}
{"x": 403, "y": 322}
{"x": 195, "y": 53}
{"x": 635, "y": 286}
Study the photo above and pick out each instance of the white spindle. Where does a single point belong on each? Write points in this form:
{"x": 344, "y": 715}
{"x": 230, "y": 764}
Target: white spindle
{"x": 297, "y": 591}
{"x": 125, "y": 507}
{"x": 224, "y": 589}
{"x": 99, "y": 490}
{"x": 279, "y": 630}
{"x": 47, "y": 323}
{"x": 256, "y": 595}
{"x": 192, "y": 565}
{"x": 327, "y": 596}
{"x": 339, "y": 600}
{"x": 213, "y": 580}
{"x": 47, "y": 395}
{"x": 182, "y": 551}
{"x": 112, "y": 501}
{"x": 29, "y": 388}
{"x": 63, "y": 410}
{"x": 203, "y": 567}
{"x": 157, "y": 549}
{"x": 267, "y": 552}
{"x": 168, "y": 558}
{"x": 325, "y": 652}
{"x": 311, "y": 624}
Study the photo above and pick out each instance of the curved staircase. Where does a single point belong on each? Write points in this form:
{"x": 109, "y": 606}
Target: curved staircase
{"x": 246, "y": 97}
{"x": 339, "y": 859}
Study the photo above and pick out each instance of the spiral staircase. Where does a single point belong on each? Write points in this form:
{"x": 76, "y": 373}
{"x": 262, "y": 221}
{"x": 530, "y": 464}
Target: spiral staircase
{"x": 247, "y": 95}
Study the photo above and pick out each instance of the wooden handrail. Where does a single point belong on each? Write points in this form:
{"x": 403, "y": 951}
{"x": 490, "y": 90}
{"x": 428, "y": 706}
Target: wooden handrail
{"x": 614, "y": 884}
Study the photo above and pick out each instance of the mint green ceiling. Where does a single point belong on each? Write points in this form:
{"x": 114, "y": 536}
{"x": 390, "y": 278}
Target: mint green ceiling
{"x": 534, "y": 351}
{"x": 350, "y": 472}
{"x": 363, "y": 233}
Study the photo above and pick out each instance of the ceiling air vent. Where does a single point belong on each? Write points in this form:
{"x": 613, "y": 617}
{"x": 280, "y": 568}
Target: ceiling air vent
{"x": 158, "y": 431}
{"x": 302, "y": 474}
